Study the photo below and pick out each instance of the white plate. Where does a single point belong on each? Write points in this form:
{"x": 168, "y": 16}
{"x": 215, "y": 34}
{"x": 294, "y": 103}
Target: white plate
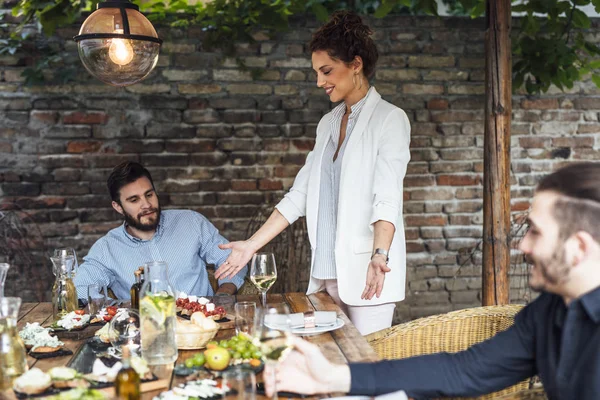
{"x": 318, "y": 329}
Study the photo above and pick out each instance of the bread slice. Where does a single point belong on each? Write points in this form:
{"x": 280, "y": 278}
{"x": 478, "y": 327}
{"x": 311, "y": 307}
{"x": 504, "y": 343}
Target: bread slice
{"x": 46, "y": 349}
{"x": 32, "y": 382}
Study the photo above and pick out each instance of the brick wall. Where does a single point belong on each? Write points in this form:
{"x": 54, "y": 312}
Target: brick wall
{"x": 219, "y": 142}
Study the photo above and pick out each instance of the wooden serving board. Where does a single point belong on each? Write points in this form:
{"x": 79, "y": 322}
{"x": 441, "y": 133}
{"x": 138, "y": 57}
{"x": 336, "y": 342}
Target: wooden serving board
{"x": 81, "y": 334}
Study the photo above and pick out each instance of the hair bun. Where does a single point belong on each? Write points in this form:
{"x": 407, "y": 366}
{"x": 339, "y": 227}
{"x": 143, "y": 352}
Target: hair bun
{"x": 351, "y": 23}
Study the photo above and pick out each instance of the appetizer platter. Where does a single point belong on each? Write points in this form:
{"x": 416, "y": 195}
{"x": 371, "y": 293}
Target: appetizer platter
{"x": 75, "y": 320}
{"x": 188, "y": 305}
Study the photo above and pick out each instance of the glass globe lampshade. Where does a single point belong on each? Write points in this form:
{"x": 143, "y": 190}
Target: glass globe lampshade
{"x": 117, "y": 44}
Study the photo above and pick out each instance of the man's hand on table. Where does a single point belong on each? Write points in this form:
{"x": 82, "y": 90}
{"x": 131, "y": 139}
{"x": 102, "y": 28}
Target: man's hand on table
{"x": 227, "y": 288}
{"x": 306, "y": 370}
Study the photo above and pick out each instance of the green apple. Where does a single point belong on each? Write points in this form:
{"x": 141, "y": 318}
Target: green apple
{"x": 217, "y": 358}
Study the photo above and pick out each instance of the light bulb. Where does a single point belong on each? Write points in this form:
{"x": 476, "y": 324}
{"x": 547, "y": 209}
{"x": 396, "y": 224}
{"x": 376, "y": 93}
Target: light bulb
{"x": 120, "y": 50}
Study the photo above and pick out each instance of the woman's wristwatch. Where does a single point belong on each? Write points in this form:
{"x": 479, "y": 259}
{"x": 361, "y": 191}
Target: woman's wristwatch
{"x": 383, "y": 252}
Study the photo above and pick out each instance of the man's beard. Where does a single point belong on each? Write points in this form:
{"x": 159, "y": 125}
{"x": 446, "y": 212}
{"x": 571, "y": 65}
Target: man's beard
{"x": 137, "y": 223}
{"x": 554, "y": 269}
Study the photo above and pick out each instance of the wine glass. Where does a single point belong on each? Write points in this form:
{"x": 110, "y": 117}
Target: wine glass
{"x": 67, "y": 252}
{"x": 263, "y": 273}
{"x": 124, "y": 330}
{"x": 273, "y": 335}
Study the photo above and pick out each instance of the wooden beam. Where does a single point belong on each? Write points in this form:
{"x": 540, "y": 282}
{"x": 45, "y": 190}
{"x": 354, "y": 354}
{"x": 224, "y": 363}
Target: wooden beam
{"x": 496, "y": 157}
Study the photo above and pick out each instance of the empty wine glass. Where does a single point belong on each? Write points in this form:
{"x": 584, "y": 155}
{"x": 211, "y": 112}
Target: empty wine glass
{"x": 263, "y": 273}
{"x": 124, "y": 330}
{"x": 66, "y": 252}
{"x": 273, "y": 335}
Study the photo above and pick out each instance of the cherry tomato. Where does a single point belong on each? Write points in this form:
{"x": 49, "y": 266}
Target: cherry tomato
{"x": 79, "y": 312}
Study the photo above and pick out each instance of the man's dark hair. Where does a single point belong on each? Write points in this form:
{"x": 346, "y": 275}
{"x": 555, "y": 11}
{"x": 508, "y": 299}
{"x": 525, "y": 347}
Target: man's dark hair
{"x": 124, "y": 174}
{"x": 578, "y": 208}
{"x": 344, "y": 37}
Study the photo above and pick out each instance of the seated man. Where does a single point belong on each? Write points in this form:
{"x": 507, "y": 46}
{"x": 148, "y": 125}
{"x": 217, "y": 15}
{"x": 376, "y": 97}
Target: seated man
{"x": 185, "y": 239}
{"x": 557, "y": 336}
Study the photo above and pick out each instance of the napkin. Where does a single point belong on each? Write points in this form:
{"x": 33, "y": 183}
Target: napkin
{"x": 400, "y": 395}
{"x": 322, "y": 318}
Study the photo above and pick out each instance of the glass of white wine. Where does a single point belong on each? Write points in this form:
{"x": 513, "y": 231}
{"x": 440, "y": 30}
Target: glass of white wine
{"x": 273, "y": 335}
{"x": 263, "y": 273}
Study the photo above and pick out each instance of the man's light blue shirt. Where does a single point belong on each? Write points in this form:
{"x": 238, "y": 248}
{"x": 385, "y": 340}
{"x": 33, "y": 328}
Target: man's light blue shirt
{"x": 185, "y": 239}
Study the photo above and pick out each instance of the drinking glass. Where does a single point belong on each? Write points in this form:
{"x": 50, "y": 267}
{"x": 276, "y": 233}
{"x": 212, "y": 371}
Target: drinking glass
{"x": 263, "y": 273}
{"x": 3, "y": 273}
{"x": 124, "y": 330}
{"x": 97, "y": 297}
{"x": 241, "y": 383}
{"x": 244, "y": 317}
{"x": 272, "y": 334}
{"x": 224, "y": 300}
{"x": 66, "y": 252}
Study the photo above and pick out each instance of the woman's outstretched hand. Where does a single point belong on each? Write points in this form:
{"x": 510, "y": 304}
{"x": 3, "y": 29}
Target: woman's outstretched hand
{"x": 375, "y": 277}
{"x": 241, "y": 252}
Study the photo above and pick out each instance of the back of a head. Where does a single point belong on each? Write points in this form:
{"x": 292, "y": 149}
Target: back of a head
{"x": 344, "y": 37}
{"x": 124, "y": 174}
{"x": 578, "y": 207}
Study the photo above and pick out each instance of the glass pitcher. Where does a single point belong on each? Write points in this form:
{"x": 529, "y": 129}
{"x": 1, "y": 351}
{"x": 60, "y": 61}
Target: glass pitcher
{"x": 64, "y": 294}
{"x": 68, "y": 252}
{"x": 3, "y": 272}
{"x": 13, "y": 361}
{"x": 157, "y": 314}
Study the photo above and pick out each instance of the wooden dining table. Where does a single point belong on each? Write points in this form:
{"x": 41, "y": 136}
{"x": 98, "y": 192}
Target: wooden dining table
{"x": 340, "y": 346}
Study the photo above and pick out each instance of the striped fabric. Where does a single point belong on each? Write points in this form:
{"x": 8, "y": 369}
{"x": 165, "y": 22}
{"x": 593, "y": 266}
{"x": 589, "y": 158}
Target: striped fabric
{"x": 185, "y": 239}
{"x": 324, "y": 267}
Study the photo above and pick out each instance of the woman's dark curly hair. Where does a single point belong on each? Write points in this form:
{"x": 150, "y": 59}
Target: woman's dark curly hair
{"x": 344, "y": 37}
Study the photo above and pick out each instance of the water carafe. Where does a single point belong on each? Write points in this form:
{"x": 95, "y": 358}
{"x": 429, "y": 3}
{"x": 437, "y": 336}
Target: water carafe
{"x": 64, "y": 294}
{"x": 157, "y": 313}
{"x": 13, "y": 362}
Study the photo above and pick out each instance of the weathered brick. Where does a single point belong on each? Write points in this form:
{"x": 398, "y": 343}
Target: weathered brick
{"x": 292, "y": 62}
{"x": 397, "y": 74}
{"x": 165, "y": 130}
{"x": 87, "y": 146}
{"x": 422, "y": 89}
{"x": 458, "y": 180}
{"x": 249, "y": 88}
{"x": 540, "y": 104}
{"x": 430, "y": 61}
{"x": 184, "y": 75}
{"x": 231, "y": 75}
{"x": 85, "y": 118}
{"x": 68, "y": 132}
{"x": 198, "y": 88}
{"x": 200, "y": 116}
{"x": 425, "y": 220}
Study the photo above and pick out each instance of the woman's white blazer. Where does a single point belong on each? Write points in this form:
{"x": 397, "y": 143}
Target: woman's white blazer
{"x": 371, "y": 189}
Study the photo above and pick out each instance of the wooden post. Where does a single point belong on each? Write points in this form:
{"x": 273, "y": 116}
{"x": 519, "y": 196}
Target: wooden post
{"x": 496, "y": 157}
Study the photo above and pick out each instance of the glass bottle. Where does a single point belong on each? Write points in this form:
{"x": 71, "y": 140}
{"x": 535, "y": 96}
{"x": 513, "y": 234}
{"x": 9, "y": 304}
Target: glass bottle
{"x": 64, "y": 294}
{"x": 13, "y": 361}
{"x": 127, "y": 382}
{"x": 135, "y": 290}
{"x": 157, "y": 312}
{"x": 3, "y": 273}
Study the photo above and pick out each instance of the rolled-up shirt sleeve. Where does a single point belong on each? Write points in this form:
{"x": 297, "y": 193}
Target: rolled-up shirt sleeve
{"x": 211, "y": 253}
{"x": 390, "y": 169}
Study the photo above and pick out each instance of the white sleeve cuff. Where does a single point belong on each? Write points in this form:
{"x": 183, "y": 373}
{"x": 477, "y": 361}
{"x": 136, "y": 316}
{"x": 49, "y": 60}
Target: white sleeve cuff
{"x": 288, "y": 208}
{"x": 384, "y": 212}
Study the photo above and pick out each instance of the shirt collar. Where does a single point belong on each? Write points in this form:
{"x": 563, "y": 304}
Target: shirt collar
{"x": 591, "y": 304}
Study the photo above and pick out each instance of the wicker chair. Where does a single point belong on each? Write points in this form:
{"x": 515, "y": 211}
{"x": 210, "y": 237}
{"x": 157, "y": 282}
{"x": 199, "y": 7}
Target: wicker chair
{"x": 451, "y": 332}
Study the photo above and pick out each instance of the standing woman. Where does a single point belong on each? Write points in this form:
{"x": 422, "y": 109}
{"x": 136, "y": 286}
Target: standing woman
{"x": 351, "y": 187}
